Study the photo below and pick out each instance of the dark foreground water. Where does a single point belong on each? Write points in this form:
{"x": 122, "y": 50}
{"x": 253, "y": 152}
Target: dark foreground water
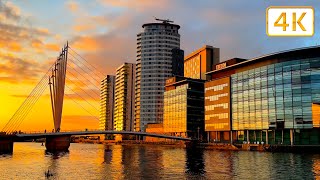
{"x": 92, "y": 161}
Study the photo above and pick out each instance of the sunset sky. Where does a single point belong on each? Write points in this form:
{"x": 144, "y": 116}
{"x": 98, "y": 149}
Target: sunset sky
{"x": 104, "y": 32}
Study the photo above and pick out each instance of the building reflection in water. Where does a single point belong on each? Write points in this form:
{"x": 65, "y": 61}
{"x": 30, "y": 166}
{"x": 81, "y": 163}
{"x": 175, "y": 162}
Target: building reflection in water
{"x": 218, "y": 164}
{"x": 116, "y": 162}
{"x": 316, "y": 165}
{"x": 130, "y": 162}
{"x": 194, "y": 162}
{"x": 53, "y": 163}
{"x": 150, "y": 162}
{"x": 173, "y": 162}
{"x": 107, "y": 154}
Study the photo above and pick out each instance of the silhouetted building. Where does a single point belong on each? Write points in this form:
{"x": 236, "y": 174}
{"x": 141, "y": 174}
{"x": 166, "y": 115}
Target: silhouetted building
{"x": 177, "y": 62}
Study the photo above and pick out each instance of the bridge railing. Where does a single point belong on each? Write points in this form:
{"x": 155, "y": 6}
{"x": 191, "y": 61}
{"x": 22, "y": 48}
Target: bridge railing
{"x": 81, "y": 131}
{"x": 52, "y": 131}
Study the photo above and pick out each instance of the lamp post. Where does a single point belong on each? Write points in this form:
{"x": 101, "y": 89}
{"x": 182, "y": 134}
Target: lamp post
{"x": 198, "y": 132}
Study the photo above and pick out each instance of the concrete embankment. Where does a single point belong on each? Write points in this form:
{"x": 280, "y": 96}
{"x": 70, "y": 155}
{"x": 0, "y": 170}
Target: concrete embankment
{"x": 161, "y": 143}
{"x": 216, "y": 146}
{"x": 219, "y": 146}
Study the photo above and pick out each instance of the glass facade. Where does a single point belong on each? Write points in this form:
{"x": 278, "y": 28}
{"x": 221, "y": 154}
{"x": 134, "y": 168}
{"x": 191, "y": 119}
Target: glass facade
{"x": 276, "y": 96}
{"x": 175, "y": 110}
{"x": 184, "y": 107}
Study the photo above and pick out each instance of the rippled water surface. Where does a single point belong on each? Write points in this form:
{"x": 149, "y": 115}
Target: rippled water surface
{"x": 95, "y": 161}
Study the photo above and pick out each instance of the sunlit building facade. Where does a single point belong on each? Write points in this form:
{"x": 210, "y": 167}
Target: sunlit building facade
{"x": 124, "y": 98}
{"x": 153, "y": 66}
{"x": 273, "y": 98}
{"x": 183, "y": 107}
{"x": 217, "y": 109}
{"x": 218, "y": 105}
{"x": 107, "y": 103}
{"x": 201, "y": 61}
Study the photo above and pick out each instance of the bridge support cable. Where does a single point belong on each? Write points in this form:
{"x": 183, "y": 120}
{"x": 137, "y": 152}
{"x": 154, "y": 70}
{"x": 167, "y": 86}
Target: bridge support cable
{"x": 24, "y": 109}
{"x": 91, "y": 67}
{"x": 83, "y": 91}
{"x": 82, "y": 98}
{"x": 81, "y": 106}
{"x": 27, "y": 108}
{"x": 75, "y": 74}
{"x": 84, "y": 69}
{"x": 79, "y": 68}
{"x": 82, "y": 85}
{"x": 27, "y": 105}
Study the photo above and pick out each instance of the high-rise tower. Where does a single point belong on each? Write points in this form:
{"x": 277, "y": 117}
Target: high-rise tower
{"x": 154, "y": 66}
{"x": 107, "y": 103}
{"x": 124, "y": 98}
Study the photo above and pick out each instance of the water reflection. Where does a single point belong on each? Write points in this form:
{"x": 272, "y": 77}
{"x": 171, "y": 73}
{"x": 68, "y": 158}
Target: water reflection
{"x": 151, "y": 161}
{"x": 96, "y": 161}
{"x": 316, "y": 165}
{"x": 194, "y": 162}
{"x": 56, "y": 155}
{"x": 53, "y": 164}
{"x": 219, "y": 164}
{"x": 107, "y": 154}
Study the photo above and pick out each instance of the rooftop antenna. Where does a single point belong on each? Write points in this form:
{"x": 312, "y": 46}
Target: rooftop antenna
{"x": 166, "y": 21}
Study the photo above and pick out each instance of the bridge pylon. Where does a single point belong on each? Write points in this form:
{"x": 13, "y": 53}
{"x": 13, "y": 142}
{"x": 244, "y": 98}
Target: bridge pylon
{"x": 57, "y": 81}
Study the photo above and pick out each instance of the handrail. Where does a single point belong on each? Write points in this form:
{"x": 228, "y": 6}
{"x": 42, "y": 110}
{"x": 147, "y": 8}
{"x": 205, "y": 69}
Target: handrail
{"x": 97, "y": 131}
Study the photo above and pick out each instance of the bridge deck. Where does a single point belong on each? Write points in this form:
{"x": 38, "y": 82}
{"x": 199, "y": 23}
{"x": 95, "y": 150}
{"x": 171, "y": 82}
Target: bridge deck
{"x": 42, "y": 135}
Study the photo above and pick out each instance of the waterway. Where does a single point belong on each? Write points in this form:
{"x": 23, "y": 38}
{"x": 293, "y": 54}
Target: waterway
{"x": 95, "y": 161}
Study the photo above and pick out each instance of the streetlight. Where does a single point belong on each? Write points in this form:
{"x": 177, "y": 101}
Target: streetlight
{"x": 198, "y": 132}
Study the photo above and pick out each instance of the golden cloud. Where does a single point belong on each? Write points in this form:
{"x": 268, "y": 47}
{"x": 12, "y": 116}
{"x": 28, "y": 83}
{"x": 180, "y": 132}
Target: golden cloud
{"x": 83, "y": 27}
{"x": 9, "y": 11}
{"x": 86, "y": 43}
{"x": 72, "y": 6}
{"x": 14, "y": 69}
{"x": 140, "y": 5}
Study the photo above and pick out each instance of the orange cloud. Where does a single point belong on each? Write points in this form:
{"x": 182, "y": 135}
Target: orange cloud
{"x": 40, "y": 47}
{"x": 86, "y": 43}
{"x": 140, "y": 5}
{"x": 52, "y": 47}
{"x": 87, "y": 23}
{"x": 83, "y": 27}
{"x": 11, "y": 46}
{"x": 9, "y": 11}
{"x": 72, "y": 6}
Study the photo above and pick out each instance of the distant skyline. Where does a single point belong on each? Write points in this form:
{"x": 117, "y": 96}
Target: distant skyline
{"x": 104, "y": 32}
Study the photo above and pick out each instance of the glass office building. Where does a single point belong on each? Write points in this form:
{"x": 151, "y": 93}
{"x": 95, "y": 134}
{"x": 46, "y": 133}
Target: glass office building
{"x": 275, "y": 98}
{"x": 183, "y": 107}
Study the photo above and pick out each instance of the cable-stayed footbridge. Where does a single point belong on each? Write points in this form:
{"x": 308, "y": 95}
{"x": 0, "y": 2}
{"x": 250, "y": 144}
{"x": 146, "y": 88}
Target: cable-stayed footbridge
{"x": 71, "y": 72}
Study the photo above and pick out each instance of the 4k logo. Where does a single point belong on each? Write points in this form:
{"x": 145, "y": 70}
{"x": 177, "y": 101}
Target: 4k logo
{"x": 290, "y": 21}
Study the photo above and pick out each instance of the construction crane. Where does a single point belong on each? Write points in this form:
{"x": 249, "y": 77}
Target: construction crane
{"x": 167, "y": 21}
